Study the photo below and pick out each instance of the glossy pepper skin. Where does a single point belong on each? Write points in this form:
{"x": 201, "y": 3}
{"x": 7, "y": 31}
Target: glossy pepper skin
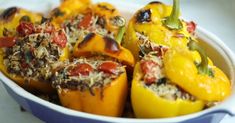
{"x": 68, "y": 8}
{"x": 11, "y": 17}
{"x": 146, "y": 104}
{"x": 32, "y": 85}
{"x": 114, "y": 94}
{"x": 150, "y": 21}
{"x": 110, "y": 103}
{"x": 212, "y": 85}
{"x": 94, "y": 43}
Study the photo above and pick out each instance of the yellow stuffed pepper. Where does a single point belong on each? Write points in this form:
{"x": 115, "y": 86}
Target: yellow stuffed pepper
{"x": 11, "y": 17}
{"x": 96, "y": 81}
{"x": 29, "y": 57}
{"x": 154, "y": 95}
{"x": 204, "y": 81}
{"x": 157, "y": 23}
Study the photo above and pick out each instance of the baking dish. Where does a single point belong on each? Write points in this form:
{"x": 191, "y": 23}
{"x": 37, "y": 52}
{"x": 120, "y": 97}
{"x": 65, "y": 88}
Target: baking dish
{"x": 48, "y": 112}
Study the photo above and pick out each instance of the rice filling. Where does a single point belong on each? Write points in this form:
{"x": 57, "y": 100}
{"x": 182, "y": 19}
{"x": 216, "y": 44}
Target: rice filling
{"x": 32, "y": 56}
{"x": 95, "y": 78}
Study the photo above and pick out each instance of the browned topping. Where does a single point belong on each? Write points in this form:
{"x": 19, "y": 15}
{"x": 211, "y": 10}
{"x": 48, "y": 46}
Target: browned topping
{"x": 143, "y": 16}
{"x": 8, "y": 13}
{"x": 106, "y": 8}
{"x": 155, "y": 2}
{"x": 86, "y": 40}
{"x": 111, "y": 45}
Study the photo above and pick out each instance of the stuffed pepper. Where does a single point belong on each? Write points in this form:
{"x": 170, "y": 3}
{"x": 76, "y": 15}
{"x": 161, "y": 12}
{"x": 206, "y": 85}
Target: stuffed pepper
{"x": 29, "y": 57}
{"x": 160, "y": 24}
{"x": 96, "y": 81}
{"x": 196, "y": 75}
{"x": 154, "y": 95}
{"x": 11, "y": 17}
{"x": 102, "y": 18}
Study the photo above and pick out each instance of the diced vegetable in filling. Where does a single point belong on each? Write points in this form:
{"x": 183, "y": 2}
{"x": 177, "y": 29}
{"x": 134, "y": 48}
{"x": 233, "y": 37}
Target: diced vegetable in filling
{"x": 146, "y": 46}
{"x": 87, "y": 73}
{"x": 82, "y": 24}
{"x": 36, "y": 48}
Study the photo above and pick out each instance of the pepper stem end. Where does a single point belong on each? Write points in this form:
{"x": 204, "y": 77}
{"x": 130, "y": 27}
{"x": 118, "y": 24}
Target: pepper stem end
{"x": 203, "y": 66}
{"x": 121, "y": 31}
{"x": 173, "y": 21}
{"x": 120, "y": 34}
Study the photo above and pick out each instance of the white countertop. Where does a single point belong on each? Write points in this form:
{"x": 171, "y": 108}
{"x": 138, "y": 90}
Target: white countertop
{"x": 217, "y": 16}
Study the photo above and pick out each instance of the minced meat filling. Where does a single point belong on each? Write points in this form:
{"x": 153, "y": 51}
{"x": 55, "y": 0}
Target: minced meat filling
{"x": 87, "y": 73}
{"x": 155, "y": 79}
{"x": 32, "y": 55}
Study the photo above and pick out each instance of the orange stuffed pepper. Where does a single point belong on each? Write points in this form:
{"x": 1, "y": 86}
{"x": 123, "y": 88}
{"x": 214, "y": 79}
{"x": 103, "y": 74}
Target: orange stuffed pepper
{"x": 29, "y": 57}
{"x": 96, "y": 82}
{"x": 102, "y": 18}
